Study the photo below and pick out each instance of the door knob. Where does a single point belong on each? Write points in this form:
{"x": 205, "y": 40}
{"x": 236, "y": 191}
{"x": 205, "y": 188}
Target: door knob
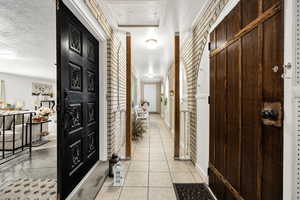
{"x": 269, "y": 114}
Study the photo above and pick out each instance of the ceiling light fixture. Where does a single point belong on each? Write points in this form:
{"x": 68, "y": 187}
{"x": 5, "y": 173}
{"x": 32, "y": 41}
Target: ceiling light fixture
{"x": 150, "y": 75}
{"x": 151, "y": 43}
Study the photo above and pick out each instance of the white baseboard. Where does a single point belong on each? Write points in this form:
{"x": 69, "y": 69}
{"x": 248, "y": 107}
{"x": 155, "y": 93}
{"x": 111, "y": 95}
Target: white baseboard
{"x": 201, "y": 173}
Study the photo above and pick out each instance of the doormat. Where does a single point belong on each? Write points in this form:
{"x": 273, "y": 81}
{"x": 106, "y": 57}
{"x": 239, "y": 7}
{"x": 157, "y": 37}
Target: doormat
{"x": 192, "y": 191}
{"x": 29, "y": 189}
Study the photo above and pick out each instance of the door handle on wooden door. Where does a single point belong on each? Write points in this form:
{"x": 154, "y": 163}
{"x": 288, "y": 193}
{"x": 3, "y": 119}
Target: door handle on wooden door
{"x": 271, "y": 114}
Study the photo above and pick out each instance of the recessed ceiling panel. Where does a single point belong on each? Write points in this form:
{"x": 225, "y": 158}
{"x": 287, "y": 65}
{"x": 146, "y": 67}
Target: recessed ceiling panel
{"x": 142, "y": 12}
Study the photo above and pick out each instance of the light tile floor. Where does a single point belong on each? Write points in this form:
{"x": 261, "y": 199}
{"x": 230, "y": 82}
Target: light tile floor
{"x": 152, "y": 170}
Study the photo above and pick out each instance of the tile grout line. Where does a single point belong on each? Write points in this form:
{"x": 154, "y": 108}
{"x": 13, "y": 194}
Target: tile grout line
{"x": 188, "y": 167}
{"x": 166, "y": 157}
{"x": 122, "y": 187}
{"x": 126, "y": 174}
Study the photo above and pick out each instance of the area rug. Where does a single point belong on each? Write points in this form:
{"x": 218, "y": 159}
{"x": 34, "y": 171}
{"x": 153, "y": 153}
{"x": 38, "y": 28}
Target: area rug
{"x": 29, "y": 189}
{"x": 192, "y": 191}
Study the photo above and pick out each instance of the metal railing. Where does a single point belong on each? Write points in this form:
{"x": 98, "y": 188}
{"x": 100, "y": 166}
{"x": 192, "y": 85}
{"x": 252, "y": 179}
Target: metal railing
{"x": 15, "y": 141}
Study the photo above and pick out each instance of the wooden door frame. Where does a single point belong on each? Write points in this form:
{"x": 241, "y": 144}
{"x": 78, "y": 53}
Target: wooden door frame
{"x": 177, "y": 96}
{"x": 128, "y": 147}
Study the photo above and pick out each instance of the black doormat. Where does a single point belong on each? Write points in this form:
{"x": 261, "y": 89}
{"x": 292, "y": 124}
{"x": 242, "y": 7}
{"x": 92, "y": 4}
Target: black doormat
{"x": 192, "y": 191}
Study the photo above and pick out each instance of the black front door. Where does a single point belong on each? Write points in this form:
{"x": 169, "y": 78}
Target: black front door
{"x": 77, "y": 97}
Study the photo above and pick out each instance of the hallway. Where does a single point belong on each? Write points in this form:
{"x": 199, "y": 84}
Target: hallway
{"x": 152, "y": 170}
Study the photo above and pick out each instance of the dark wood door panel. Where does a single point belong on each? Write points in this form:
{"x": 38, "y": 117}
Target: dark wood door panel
{"x": 212, "y": 126}
{"x": 217, "y": 186}
{"x": 78, "y": 111}
{"x": 234, "y": 22}
{"x": 251, "y": 122}
{"x": 233, "y": 155}
{"x": 269, "y": 3}
{"x": 273, "y": 56}
{"x": 246, "y": 156}
{"x": 250, "y": 63}
{"x": 213, "y": 40}
{"x": 220, "y": 116}
{"x": 221, "y": 32}
{"x": 234, "y": 71}
{"x": 249, "y": 163}
{"x": 249, "y": 11}
{"x": 272, "y": 92}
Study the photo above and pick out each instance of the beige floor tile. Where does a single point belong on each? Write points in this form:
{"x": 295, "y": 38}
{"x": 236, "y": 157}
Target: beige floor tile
{"x": 141, "y": 149}
{"x": 134, "y": 194}
{"x": 136, "y": 179}
{"x": 140, "y": 156}
{"x": 157, "y": 157}
{"x": 183, "y": 177}
{"x": 161, "y": 194}
{"x": 109, "y": 193}
{"x": 141, "y": 146}
{"x": 109, "y": 181}
{"x": 125, "y": 165}
{"x": 178, "y": 166}
{"x": 157, "y": 151}
{"x": 156, "y": 144}
{"x": 197, "y": 177}
{"x": 160, "y": 179}
{"x": 139, "y": 166}
{"x": 159, "y": 166}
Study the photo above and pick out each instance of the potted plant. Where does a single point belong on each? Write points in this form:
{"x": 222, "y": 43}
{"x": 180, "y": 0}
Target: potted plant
{"x": 138, "y": 129}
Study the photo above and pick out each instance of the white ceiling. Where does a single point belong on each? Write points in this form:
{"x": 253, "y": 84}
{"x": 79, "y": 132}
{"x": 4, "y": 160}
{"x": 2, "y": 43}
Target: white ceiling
{"x": 28, "y": 43}
{"x": 27, "y": 38}
{"x": 171, "y": 16}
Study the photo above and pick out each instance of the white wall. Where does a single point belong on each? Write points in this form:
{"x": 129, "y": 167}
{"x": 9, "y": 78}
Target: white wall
{"x": 289, "y": 114}
{"x": 203, "y": 115}
{"x": 20, "y": 87}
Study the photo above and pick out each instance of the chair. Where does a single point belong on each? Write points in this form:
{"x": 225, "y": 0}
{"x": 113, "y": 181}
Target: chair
{"x": 142, "y": 115}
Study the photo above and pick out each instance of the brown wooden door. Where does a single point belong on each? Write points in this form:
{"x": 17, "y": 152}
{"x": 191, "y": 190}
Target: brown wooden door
{"x": 78, "y": 98}
{"x": 246, "y": 92}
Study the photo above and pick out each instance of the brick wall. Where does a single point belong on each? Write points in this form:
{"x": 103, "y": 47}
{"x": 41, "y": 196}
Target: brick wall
{"x": 116, "y": 80}
{"x": 192, "y": 51}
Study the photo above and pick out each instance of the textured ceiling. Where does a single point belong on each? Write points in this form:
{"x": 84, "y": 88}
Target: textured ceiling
{"x": 141, "y": 12}
{"x": 27, "y": 38}
{"x": 27, "y": 33}
{"x": 171, "y": 16}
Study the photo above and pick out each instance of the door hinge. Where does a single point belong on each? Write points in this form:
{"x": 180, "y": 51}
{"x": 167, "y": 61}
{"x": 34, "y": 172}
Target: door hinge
{"x": 57, "y": 4}
{"x": 208, "y": 99}
{"x": 209, "y": 46}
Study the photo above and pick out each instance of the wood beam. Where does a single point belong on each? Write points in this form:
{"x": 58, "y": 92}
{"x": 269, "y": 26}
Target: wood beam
{"x": 128, "y": 97}
{"x": 177, "y": 96}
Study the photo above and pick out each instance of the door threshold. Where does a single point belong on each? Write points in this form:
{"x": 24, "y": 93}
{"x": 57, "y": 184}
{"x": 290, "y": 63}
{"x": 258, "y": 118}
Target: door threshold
{"x": 91, "y": 184}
